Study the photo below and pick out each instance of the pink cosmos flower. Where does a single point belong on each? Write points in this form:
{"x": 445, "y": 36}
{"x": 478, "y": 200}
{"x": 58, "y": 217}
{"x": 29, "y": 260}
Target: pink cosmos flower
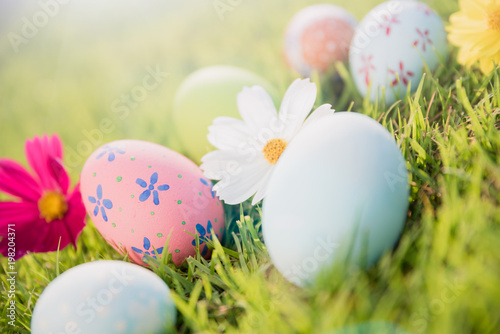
{"x": 44, "y": 212}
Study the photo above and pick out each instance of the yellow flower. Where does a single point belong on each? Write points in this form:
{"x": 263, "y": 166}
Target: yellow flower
{"x": 475, "y": 29}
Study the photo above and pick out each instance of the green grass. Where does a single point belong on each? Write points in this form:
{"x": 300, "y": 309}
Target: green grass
{"x": 442, "y": 277}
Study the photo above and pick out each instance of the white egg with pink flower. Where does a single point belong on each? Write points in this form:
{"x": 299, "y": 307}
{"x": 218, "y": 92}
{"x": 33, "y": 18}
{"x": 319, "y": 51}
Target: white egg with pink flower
{"x": 393, "y": 45}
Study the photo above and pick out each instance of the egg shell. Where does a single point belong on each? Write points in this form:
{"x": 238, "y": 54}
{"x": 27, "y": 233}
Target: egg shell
{"x": 204, "y": 95}
{"x": 105, "y": 297}
{"x": 391, "y": 45}
{"x": 317, "y": 37}
{"x": 137, "y": 193}
{"x": 340, "y": 186}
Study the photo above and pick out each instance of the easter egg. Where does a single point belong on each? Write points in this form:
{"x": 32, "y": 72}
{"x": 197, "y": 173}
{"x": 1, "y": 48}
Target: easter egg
{"x": 338, "y": 194}
{"x": 204, "y": 95}
{"x": 391, "y": 46}
{"x": 105, "y": 297}
{"x": 139, "y": 193}
{"x": 317, "y": 37}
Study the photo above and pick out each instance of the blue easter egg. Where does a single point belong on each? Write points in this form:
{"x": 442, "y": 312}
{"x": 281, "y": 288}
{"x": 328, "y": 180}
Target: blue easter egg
{"x": 105, "y": 297}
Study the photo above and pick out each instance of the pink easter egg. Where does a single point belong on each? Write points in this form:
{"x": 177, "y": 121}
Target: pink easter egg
{"x": 138, "y": 193}
{"x": 317, "y": 37}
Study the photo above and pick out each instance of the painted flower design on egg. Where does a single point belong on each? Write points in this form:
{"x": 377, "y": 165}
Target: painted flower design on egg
{"x": 146, "y": 251}
{"x": 151, "y": 188}
{"x": 100, "y": 204}
{"x": 389, "y": 21}
{"x": 423, "y": 39}
{"x": 401, "y": 75}
{"x": 367, "y": 67}
{"x": 110, "y": 150}
{"x": 204, "y": 235}
{"x": 208, "y": 184}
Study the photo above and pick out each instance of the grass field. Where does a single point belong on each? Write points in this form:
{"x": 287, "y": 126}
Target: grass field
{"x": 443, "y": 276}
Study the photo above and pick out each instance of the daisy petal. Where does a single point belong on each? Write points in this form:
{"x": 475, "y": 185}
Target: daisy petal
{"x": 239, "y": 187}
{"x": 486, "y": 64}
{"x": 472, "y": 9}
{"x": 217, "y": 165}
{"x": 228, "y": 133}
{"x": 256, "y": 108}
{"x": 16, "y": 181}
{"x": 322, "y": 111}
{"x": 262, "y": 188}
{"x": 297, "y": 103}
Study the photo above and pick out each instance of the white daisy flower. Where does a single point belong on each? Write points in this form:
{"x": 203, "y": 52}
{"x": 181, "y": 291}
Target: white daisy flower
{"x": 248, "y": 149}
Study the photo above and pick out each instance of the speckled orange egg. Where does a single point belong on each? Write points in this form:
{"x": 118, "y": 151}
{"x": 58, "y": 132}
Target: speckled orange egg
{"x": 317, "y": 37}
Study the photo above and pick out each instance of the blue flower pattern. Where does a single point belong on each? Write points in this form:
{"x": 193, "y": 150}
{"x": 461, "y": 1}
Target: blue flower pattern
{"x": 101, "y": 204}
{"x": 111, "y": 152}
{"x": 208, "y": 184}
{"x": 204, "y": 236}
{"x": 147, "y": 246}
{"x": 151, "y": 189}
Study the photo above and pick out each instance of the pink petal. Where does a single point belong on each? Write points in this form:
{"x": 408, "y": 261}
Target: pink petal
{"x": 57, "y": 150}
{"x": 36, "y": 235}
{"x": 18, "y": 213}
{"x": 16, "y": 181}
{"x": 37, "y": 152}
{"x": 27, "y": 238}
{"x": 75, "y": 217}
{"x": 59, "y": 174}
{"x": 67, "y": 229}
{"x": 56, "y": 231}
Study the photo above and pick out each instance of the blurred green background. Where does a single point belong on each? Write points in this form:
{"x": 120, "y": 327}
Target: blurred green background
{"x": 68, "y": 77}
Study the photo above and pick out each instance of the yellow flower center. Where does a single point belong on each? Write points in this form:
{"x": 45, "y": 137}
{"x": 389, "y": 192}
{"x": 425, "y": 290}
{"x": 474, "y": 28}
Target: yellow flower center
{"x": 494, "y": 19}
{"x": 52, "y": 206}
{"x": 273, "y": 149}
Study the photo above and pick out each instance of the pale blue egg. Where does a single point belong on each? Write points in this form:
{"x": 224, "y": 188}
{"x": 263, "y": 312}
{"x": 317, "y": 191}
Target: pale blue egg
{"x": 105, "y": 297}
{"x": 338, "y": 192}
